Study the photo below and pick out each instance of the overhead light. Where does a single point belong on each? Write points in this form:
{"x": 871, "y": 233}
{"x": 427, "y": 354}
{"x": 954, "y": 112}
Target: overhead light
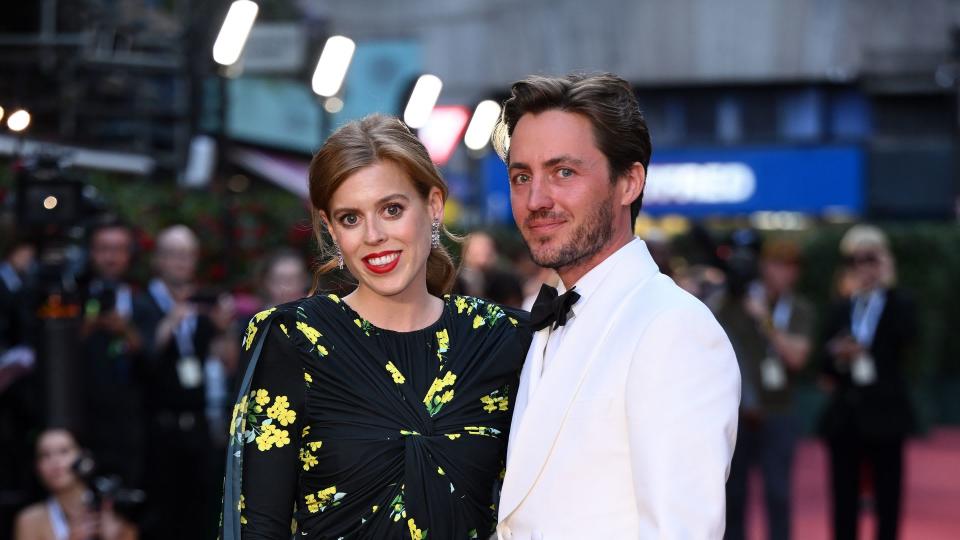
{"x": 234, "y": 32}
{"x": 481, "y": 125}
{"x": 332, "y": 66}
{"x": 442, "y": 131}
{"x": 422, "y": 100}
{"x": 1, "y": 113}
{"x": 18, "y": 120}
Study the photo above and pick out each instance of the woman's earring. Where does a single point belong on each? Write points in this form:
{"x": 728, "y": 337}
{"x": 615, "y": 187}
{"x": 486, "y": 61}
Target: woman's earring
{"x": 339, "y": 256}
{"x": 435, "y": 234}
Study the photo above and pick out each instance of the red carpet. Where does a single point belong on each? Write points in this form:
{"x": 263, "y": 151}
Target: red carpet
{"x": 931, "y": 498}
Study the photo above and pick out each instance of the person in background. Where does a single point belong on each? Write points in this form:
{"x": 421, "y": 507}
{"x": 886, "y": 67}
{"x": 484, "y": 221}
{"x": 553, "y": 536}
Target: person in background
{"x": 284, "y": 278}
{"x": 111, "y": 353}
{"x": 868, "y": 414}
{"x": 771, "y": 328}
{"x": 479, "y": 257}
{"x": 66, "y": 514}
{"x": 18, "y": 404}
{"x": 178, "y": 325}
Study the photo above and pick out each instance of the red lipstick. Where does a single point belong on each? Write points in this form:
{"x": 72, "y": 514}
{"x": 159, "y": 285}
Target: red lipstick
{"x": 382, "y": 262}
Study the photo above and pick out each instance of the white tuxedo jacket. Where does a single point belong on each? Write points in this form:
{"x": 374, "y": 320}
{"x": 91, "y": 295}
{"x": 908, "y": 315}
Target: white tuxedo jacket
{"x": 630, "y": 430}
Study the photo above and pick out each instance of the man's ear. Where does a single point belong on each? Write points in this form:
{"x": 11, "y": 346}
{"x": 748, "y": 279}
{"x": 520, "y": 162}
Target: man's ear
{"x": 435, "y": 204}
{"x": 634, "y": 181}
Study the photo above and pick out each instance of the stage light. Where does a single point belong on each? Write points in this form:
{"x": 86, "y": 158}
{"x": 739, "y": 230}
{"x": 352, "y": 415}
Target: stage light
{"x": 19, "y": 120}
{"x": 422, "y": 100}
{"x": 50, "y": 202}
{"x": 1, "y": 113}
{"x": 234, "y": 32}
{"x": 442, "y": 131}
{"x": 481, "y": 125}
{"x": 332, "y": 66}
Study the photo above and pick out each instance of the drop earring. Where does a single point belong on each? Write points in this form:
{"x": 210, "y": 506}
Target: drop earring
{"x": 339, "y": 256}
{"x": 435, "y": 234}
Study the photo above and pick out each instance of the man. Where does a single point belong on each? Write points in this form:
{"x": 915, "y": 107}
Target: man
{"x": 178, "y": 327}
{"x": 626, "y": 414}
{"x": 771, "y": 328}
{"x": 111, "y": 348}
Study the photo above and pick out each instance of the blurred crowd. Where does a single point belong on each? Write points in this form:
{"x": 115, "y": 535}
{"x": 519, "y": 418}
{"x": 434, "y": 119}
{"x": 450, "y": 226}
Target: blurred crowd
{"x": 136, "y": 447}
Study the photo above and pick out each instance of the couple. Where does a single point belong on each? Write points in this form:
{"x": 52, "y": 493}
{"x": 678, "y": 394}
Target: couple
{"x": 386, "y": 413}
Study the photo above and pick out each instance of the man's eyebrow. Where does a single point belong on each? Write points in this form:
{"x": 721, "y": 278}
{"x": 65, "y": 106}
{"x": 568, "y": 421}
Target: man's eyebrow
{"x": 552, "y": 162}
{"x": 519, "y": 165}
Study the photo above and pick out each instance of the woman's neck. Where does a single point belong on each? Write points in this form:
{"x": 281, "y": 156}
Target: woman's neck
{"x": 403, "y": 312}
{"x": 71, "y": 500}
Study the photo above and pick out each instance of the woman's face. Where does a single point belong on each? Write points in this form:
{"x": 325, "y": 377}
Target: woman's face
{"x": 286, "y": 281}
{"x": 867, "y": 265}
{"x": 56, "y": 453}
{"x": 383, "y": 228}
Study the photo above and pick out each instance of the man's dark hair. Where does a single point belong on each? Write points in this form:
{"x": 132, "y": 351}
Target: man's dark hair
{"x": 109, "y": 221}
{"x": 606, "y": 100}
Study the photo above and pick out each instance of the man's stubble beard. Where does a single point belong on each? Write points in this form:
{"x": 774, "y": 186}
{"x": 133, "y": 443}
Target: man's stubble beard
{"x": 586, "y": 241}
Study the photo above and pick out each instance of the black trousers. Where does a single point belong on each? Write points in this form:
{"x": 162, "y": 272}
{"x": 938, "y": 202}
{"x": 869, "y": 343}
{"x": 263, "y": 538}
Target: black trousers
{"x": 884, "y": 458}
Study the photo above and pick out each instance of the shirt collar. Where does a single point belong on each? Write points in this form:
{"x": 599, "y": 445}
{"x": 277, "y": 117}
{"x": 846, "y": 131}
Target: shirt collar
{"x": 590, "y": 282}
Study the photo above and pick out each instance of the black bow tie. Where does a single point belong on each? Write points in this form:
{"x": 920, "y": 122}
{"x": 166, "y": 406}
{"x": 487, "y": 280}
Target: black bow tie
{"x": 551, "y": 308}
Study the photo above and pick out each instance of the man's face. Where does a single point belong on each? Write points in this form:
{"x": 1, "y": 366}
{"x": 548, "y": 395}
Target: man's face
{"x": 110, "y": 251}
{"x": 176, "y": 261}
{"x": 779, "y": 276}
{"x": 560, "y": 189}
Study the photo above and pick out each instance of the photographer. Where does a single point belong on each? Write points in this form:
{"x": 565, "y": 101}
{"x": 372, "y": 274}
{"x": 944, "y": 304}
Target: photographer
{"x": 770, "y": 327}
{"x": 112, "y": 353}
{"x": 67, "y": 514}
{"x": 178, "y": 326}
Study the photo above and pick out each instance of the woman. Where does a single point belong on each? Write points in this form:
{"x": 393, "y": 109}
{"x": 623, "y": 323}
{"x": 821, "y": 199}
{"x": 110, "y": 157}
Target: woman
{"x": 868, "y": 415}
{"x": 66, "y": 515}
{"x": 382, "y": 414}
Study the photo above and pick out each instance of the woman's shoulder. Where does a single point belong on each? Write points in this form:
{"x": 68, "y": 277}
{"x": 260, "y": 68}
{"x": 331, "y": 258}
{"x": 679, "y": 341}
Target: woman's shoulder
{"x": 32, "y": 522}
{"x": 477, "y": 313}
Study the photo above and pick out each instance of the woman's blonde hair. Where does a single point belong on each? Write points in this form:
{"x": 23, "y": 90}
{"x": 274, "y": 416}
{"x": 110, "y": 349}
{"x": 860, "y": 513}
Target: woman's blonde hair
{"x": 362, "y": 143}
{"x": 863, "y": 237}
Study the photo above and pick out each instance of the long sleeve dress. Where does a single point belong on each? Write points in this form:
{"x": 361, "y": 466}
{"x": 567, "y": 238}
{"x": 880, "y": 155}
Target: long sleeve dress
{"x": 346, "y": 430}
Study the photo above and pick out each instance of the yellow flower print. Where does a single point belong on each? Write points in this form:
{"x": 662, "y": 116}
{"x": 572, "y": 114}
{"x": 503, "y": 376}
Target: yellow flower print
{"x": 240, "y": 506}
{"x": 280, "y": 411}
{"x": 315, "y": 445}
{"x": 512, "y": 321}
{"x": 309, "y": 460}
{"x": 283, "y": 328}
{"x": 305, "y": 432}
{"x": 453, "y": 436}
{"x": 440, "y": 471}
{"x": 375, "y": 508}
{"x": 435, "y": 402}
{"x": 481, "y": 430}
{"x": 495, "y": 401}
{"x": 461, "y": 304}
{"x": 307, "y": 377}
{"x": 477, "y": 322}
{"x": 282, "y": 438}
{"x": 415, "y": 533}
{"x": 334, "y": 297}
{"x": 309, "y": 332}
{"x": 398, "y": 377}
{"x": 443, "y": 343}
{"x": 323, "y": 499}
{"x": 271, "y": 436}
{"x": 252, "y": 327}
{"x": 262, "y": 397}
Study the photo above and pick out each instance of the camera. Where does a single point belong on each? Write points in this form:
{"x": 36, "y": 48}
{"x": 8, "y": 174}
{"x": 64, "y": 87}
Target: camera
{"x": 127, "y": 502}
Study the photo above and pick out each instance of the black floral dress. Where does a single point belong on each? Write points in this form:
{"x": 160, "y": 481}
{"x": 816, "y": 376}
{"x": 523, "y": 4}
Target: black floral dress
{"x": 346, "y": 430}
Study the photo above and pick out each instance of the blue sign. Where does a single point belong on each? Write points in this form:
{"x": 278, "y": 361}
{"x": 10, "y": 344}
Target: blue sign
{"x": 700, "y": 182}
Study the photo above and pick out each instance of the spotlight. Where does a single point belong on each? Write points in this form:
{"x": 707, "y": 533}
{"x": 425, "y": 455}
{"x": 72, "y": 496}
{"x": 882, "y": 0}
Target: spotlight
{"x": 422, "y": 100}
{"x": 481, "y": 125}
{"x": 332, "y": 65}
{"x": 234, "y": 32}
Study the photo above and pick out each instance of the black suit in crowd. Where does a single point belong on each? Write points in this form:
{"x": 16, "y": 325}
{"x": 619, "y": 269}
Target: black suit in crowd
{"x": 178, "y": 440}
{"x": 870, "y": 422}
